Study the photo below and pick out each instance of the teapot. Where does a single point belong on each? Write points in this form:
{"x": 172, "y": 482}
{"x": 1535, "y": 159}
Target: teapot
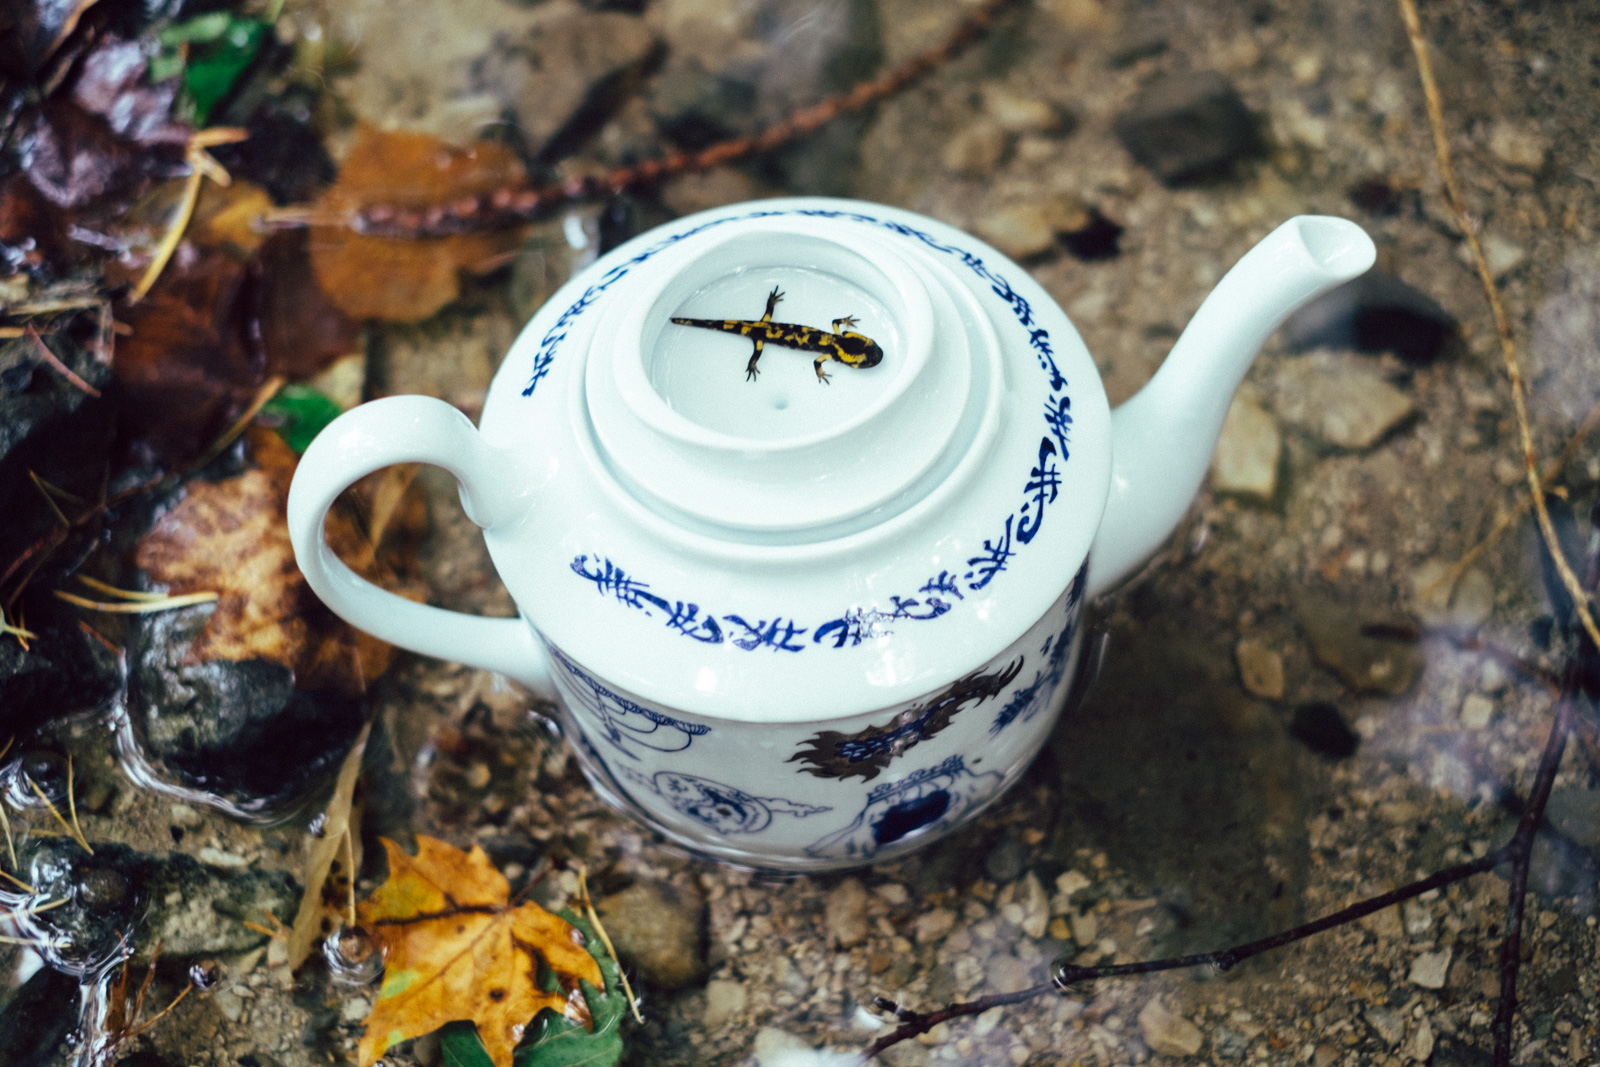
{"x": 800, "y": 502}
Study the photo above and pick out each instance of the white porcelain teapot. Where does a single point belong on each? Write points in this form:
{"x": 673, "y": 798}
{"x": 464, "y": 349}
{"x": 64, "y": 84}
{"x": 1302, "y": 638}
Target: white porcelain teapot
{"x": 800, "y": 501}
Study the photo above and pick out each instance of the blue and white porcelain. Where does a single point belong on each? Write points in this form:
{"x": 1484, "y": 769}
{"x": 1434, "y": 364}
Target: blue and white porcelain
{"x": 795, "y": 620}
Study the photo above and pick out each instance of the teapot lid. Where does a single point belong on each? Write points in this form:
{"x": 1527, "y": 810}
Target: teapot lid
{"x": 796, "y": 459}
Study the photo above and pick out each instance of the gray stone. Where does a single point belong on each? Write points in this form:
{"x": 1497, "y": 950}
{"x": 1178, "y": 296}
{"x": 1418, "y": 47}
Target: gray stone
{"x": 1576, "y": 813}
{"x": 933, "y": 925}
{"x": 1229, "y": 1043}
{"x": 1245, "y": 463}
{"x": 1007, "y": 974}
{"x": 1422, "y": 1042}
{"x": 724, "y": 1001}
{"x": 1005, "y": 861}
{"x": 1035, "y": 906}
{"x": 1260, "y": 668}
{"x": 1429, "y": 969}
{"x": 1342, "y": 639}
{"x": 1188, "y": 127}
{"x": 1519, "y": 146}
{"x": 1339, "y": 400}
{"x": 1022, "y": 114}
{"x": 660, "y": 929}
{"x": 565, "y": 76}
{"x": 1501, "y": 255}
{"x": 1388, "y": 1025}
{"x": 1167, "y": 1032}
{"x": 845, "y": 913}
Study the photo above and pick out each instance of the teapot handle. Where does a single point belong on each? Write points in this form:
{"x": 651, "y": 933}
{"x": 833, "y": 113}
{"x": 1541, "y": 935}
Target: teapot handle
{"x": 410, "y": 429}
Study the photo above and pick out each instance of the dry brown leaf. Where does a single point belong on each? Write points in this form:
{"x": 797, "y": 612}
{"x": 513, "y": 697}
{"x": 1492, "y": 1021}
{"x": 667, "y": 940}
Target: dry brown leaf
{"x": 456, "y": 949}
{"x": 399, "y": 279}
{"x": 231, "y": 537}
{"x": 322, "y": 909}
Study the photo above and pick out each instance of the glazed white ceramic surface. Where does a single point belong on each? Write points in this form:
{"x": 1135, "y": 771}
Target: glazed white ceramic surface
{"x": 791, "y": 623}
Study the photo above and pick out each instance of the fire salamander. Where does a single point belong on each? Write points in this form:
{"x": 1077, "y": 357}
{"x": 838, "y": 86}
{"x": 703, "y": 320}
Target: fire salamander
{"x": 851, "y": 349}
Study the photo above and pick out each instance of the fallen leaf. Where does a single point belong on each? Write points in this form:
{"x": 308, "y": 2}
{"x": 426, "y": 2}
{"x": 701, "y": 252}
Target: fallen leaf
{"x": 399, "y": 279}
{"x": 456, "y": 949}
{"x": 323, "y": 907}
{"x": 231, "y": 537}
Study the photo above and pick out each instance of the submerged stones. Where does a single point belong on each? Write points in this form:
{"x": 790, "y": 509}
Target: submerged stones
{"x": 659, "y": 928}
{"x": 1186, "y": 128}
{"x": 1369, "y": 656}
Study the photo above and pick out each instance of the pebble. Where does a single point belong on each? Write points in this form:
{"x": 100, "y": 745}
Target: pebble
{"x": 1365, "y": 663}
{"x": 1070, "y": 882}
{"x": 1472, "y": 602}
{"x": 933, "y": 925}
{"x": 1085, "y": 928}
{"x": 1422, "y": 1042}
{"x": 977, "y": 150}
{"x": 1502, "y": 255}
{"x": 658, "y": 928}
{"x": 1229, "y": 1043}
{"x": 1007, "y": 974}
{"x": 1428, "y": 970}
{"x": 1476, "y": 711}
{"x": 1168, "y": 1033}
{"x": 1260, "y": 668}
{"x": 1188, "y": 127}
{"x": 1389, "y": 1025}
{"x": 1339, "y": 401}
{"x": 892, "y": 893}
{"x": 845, "y": 913}
{"x": 1246, "y": 461}
{"x": 1005, "y": 861}
{"x": 779, "y": 1048}
{"x": 1518, "y": 146}
{"x": 724, "y": 1001}
{"x": 1021, "y": 231}
{"x": 1386, "y": 924}
{"x": 1021, "y": 114}
{"x": 1376, "y": 312}
{"x": 1035, "y": 906}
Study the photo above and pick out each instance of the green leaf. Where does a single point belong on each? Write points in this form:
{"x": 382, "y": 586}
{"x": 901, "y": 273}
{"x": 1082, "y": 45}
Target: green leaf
{"x": 196, "y": 30}
{"x": 299, "y": 413}
{"x": 460, "y": 1046}
{"x": 214, "y": 67}
{"x": 557, "y": 1041}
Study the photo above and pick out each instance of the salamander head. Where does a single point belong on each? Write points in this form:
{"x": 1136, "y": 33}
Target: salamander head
{"x": 858, "y": 350}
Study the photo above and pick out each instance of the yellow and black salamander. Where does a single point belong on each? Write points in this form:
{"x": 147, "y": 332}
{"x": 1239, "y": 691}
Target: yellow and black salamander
{"x": 851, "y": 349}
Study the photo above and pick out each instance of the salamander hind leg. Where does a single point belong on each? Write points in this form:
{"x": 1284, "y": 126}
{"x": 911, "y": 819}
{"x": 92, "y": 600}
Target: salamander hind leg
{"x": 750, "y": 370}
{"x": 822, "y": 375}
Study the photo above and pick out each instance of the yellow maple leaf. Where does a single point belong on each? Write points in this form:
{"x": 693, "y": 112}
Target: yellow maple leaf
{"x": 456, "y": 949}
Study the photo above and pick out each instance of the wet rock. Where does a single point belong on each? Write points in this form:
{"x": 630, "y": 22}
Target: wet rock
{"x": 660, "y": 929}
{"x": 1576, "y": 813}
{"x": 564, "y": 78}
{"x": 37, "y": 1023}
{"x": 1319, "y": 726}
{"x": 1388, "y": 1025}
{"x": 845, "y": 913}
{"x": 1476, "y": 711}
{"x": 1339, "y": 401}
{"x": 1022, "y": 114}
{"x": 1007, "y": 974}
{"x": 1519, "y": 146}
{"x": 1421, "y": 1048}
{"x": 1167, "y": 1032}
{"x": 1034, "y": 904}
{"x": 933, "y": 925}
{"x": 1386, "y": 924}
{"x": 1229, "y": 1043}
{"x": 1362, "y": 651}
{"x": 1260, "y": 668}
{"x": 977, "y": 150}
{"x": 118, "y": 897}
{"x": 724, "y": 1001}
{"x": 777, "y": 1048}
{"x": 1006, "y": 860}
{"x": 1429, "y": 969}
{"x": 1376, "y": 312}
{"x": 1021, "y": 231}
{"x": 1188, "y": 127}
{"x": 62, "y": 670}
{"x": 1245, "y": 463}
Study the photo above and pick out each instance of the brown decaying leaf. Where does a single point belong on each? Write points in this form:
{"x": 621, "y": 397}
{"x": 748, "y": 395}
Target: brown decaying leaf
{"x": 455, "y": 949}
{"x": 402, "y": 280}
{"x": 230, "y": 536}
{"x": 323, "y": 902}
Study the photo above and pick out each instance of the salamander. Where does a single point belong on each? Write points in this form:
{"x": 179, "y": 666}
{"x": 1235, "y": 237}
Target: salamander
{"x": 851, "y": 349}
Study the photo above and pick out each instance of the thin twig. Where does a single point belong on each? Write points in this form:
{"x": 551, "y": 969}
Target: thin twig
{"x": 68, "y": 827}
{"x": 55, "y": 361}
{"x": 1502, "y": 323}
{"x": 605, "y": 939}
{"x": 350, "y": 882}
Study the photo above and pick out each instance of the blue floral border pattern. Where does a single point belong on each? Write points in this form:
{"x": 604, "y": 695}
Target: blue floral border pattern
{"x": 625, "y": 722}
{"x": 1040, "y": 490}
{"x": 895, "y": 811}
{"x": 1027, "y": 700}
{"x": 720, "y": 808}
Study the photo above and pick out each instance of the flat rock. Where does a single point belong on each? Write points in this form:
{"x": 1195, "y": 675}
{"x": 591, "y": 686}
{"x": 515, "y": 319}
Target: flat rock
{"x": 1357, "y": 647}
{"x": 1376, "y": 312}
{"x": 1429, "y": 969}
{"x": 565, "y": 76}
{"x": 1260, "y": 668}
{"x": 977, "y": 150}
{"x": 1169, "y": 1033}
{"x": 1388, "y": 1025}
{"x": 1476, "y": 711}
{"x": 660, "y": 929}
{"x": 724, "y": 1001}
{"x": 845, "y": 913}
{"x": 1245, "y": 463}
{"x": 1338, "y": 400}
{"x": 1188, "y": 127}
{"x": 1021, "y": 231}
{"x": 933, "y": 925}
{"x": 1006, "y": 860}
{"x": 1518, "y": 145}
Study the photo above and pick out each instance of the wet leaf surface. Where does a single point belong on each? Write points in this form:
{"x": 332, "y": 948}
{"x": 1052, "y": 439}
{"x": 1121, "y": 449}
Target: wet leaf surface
{"x": 402, "y": 280}
{"x": 456, "y": 948}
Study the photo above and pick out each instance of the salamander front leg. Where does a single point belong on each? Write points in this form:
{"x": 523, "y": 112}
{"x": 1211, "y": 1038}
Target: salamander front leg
{"x": 848, "y": 320}
{"x": 772, "y": 303}
{"x": 750, "y": 371}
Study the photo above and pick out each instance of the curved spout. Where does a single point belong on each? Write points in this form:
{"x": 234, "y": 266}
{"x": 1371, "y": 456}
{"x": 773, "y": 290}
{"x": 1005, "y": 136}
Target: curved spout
{"x": 1163, "y": 437}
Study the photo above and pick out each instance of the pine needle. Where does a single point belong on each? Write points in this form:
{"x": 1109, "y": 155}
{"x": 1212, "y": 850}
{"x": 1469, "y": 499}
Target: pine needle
{"x": 72, "y": 808}
{"x": 31, "y": 942}
{"x": 268, "y": 390}
{"x": 26, "y": 888}
{"x": 22, "y": 635}
{"x": 72, "y": 832}
{"x": 121, "y": 594}
{"x": 201, "y": 166}
{"x": 158, "y": 1016}
{"x": 25, "y": 912}
{"x": 138, "y": 607}
{"x": 11, "y": 847}
{"x": 55, "y": 361}
{"x": 44, "y": 491}
{"x": 350, "y": 882}
{"x": 605, "y": 939}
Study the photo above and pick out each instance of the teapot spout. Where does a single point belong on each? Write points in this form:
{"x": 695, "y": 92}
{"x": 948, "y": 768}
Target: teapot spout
{"x": 1163, "y": 437}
